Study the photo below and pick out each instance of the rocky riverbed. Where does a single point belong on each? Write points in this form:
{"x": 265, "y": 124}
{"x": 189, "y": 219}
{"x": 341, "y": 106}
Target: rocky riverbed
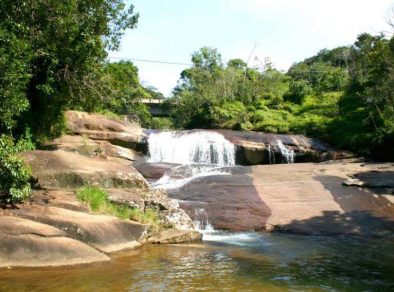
{"x": 337, "y": 197}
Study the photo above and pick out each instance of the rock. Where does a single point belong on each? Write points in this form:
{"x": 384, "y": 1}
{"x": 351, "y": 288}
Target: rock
{"x": 173, "y": 236}
{"x": 58, "y": 198}
{"x": 167, "y": 209}
{"x": 372, "y": 179}
{"x": 61, "y": 169}
{"x": 28, "y": 243}
{"x": 153, "y": 170}
{"x": 105, "y": 233}
{"x": 133, "y": 198}
{"x": 93, "y": 148}
{"x": 310, "y": 199}
{"x": 225, "y": 201}
{"x": 13, "y": 226}
{"x": 262, "y": 148}
{"x": 300, "y": 198}
{"x": 98, "y": 127}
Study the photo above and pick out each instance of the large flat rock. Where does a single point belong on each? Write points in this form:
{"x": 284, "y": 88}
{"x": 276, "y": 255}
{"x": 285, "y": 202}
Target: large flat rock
{"x": 28, "y": 243}
{"x": 105, "y": 233}
{"x": 98, "y": 127}
{"x": 62, "y": 169}
{"x": 303, "y": 198}
{"x": 310, "y": 199}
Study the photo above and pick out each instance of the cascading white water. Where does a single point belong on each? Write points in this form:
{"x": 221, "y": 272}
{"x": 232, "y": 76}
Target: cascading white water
{"x": 287, "y": 154}
{"x": 201, "y": 221}
{"x": 178, "y": 176}
{"x": 191, "y": 147}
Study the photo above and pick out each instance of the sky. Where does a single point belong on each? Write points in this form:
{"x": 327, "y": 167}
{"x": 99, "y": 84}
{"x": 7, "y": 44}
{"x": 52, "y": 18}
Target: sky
{"x": 285, "y": 31}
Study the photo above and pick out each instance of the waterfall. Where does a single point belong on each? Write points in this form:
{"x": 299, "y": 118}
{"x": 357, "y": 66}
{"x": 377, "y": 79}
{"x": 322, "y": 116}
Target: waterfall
{"x": 191, "y": 147}
{"x": 287, "y": 154}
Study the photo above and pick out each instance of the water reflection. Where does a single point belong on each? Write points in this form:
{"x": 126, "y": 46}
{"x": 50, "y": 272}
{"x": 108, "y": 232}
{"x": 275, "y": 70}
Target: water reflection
{"x": 245, "y": 262}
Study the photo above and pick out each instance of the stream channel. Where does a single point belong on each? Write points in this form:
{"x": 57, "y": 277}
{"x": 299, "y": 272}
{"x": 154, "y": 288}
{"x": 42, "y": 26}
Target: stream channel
{"x": 225, "y": 261}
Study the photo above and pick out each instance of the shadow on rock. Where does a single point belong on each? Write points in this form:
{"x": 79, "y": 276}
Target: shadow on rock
{"x": 228, "y": 202}
{"x": 364, "y": 213}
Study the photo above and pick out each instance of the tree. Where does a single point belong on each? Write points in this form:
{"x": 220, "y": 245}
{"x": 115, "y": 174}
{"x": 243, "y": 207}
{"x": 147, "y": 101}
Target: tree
{"x": 14, "y": 77}
{"x": 67, "y": 42}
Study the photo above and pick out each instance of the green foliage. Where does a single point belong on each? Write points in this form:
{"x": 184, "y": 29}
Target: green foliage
{"x": 14, "y": 174}
{"x": 298, "y": 89}
{"x": 230, "y": 115}
{"x": 159, "y": 123}
{"x": 344, "y": 96}
{"x": 271, "y": 120}
{"x": 97, "y": 200}
{"x": 59, "y": 49}
{"x": 14, "y": 77}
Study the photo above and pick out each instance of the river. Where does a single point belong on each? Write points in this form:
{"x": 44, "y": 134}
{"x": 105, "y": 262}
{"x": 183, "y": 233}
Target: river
{"x": 224, "y": 261}
{"x": 227, "y": 262}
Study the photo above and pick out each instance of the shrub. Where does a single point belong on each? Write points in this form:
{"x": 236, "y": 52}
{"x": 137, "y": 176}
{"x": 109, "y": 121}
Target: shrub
{"x": 14, "y": 174}
{"x": 159, "y": 123}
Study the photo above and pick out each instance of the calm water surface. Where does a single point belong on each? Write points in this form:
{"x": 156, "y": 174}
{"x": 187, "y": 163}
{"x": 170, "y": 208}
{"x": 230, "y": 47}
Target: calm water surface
{"x": 228, "y": 262}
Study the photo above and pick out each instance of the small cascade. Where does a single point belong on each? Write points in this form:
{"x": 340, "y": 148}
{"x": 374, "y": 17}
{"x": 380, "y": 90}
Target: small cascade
{"x": 191, "y": 147}
{"x": 271, "y": 155}
{"x": 287, "y": 154}
{"x": 201, "y": 221}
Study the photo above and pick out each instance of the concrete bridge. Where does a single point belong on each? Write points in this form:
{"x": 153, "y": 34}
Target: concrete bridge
{"x": 156, "y": 107}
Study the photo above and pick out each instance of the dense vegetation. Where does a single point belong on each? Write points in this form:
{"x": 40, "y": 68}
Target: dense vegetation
{"x": 343, "y": 96}
{"x": 53, "y": 57}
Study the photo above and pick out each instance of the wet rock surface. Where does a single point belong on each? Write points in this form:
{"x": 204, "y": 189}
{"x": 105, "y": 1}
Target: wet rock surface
{"x": 173, "y": 236}
{"x": 153, "y": 170}
{"x": 226, "y": 201}
{"x": 254, "y": 148}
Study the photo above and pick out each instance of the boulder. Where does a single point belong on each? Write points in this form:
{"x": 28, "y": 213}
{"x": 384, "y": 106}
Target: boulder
{"x": 61, "y": 169}
{"x": 28, "y": 243}
{"x": 173, "y": 236}
{"x": 153, "y": 170}
{"x": 93, "y": 148}
{"x": 167, "y": 209}
{"x": 98, "y": 127}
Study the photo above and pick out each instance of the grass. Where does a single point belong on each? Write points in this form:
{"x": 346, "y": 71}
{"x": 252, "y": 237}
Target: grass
{"x": 97, "y": 200}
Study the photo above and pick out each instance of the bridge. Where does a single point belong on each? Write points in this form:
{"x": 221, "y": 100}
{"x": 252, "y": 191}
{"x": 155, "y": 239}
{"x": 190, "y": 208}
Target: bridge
{"x": 156, "y": 107}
